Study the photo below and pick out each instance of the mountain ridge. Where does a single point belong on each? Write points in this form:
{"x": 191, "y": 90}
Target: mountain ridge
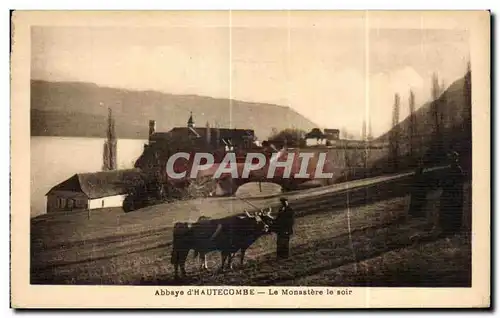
{"x": 452, "y": 107}
{"x": 57, "y": 106}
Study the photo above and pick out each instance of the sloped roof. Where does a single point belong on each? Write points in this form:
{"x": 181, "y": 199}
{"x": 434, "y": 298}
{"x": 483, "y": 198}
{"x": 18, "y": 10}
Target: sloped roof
{"x": 331, "y": 131}
{"x": 201, "y": 132}
{"x": 328, "y": 134}
{"x": 97, "y": 184}
{"x": 315, "y": 133}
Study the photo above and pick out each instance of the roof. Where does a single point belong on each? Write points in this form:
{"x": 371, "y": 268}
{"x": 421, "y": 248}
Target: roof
{"x": 331, "y": 131}
{"x": 159, "y": 136}
{"x": 97, "y": 184}
{"x": 224, "y": 133}
{"x": 315, "y": 133}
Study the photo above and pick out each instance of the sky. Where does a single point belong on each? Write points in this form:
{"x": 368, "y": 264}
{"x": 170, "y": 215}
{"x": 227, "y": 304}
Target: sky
{"x": 334, "y": 74}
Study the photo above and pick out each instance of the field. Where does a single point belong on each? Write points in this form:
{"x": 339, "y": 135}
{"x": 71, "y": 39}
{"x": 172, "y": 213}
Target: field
{"x": 351, "y": 238}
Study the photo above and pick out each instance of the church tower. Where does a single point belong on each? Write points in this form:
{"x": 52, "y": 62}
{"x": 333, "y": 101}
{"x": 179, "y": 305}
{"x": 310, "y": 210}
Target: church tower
{"x": 190, "y": 122}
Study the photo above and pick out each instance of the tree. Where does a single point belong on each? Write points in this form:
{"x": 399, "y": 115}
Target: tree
{"x": 413, "y": 122}
{"x": 463, "y": 147}
{"x": 436, "y": 113}
{"x": 109, "y": 153}
{"x": 468, "y": 101}
{"x": 394, "y": 140}
{"x": 274, "y": 131}
{"x": 315, "y": 133}
{"x": 343, "y": 133}
{"x": 288, "y": 137}
{"x": 395, "y": 111}
{"x": 436, "y": 91}
{"x": 364, "y": 131}
{"x": 370, "y": 132}
{"x": 443, "y": 112}
{"x": 364, "y": 154}
{"x": 442, "y": 87}
{"x": 350, "y": 136}
{"x": 436, "y": 88}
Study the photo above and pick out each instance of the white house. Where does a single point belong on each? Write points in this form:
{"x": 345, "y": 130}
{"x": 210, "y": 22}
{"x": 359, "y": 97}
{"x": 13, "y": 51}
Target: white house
{"x": 94, "y": 190}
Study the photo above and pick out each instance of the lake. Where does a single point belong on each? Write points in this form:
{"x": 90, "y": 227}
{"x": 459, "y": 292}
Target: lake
{"x": 55, "y": 159}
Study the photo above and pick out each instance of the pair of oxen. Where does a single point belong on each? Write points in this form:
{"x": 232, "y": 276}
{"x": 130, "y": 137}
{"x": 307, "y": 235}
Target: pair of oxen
{"x": 227, "y": 235}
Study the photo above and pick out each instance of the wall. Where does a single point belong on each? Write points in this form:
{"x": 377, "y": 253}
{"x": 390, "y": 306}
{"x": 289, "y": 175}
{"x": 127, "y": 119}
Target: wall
{"x": 314, "y": 142}
{"x": 107, "y": 202}
{"x": 59, "y": 201}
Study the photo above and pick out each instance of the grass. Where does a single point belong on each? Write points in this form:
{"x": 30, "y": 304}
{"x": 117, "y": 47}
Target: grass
{"x": 418, "y": 265}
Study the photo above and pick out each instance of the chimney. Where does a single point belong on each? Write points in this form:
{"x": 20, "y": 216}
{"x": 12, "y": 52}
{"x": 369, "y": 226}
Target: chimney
{"x": 152, "y": 127}
{"x": 110, "y": 147}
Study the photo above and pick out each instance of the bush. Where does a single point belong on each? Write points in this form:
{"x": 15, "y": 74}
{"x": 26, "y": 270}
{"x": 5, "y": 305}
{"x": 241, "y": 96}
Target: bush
{"x": 290, "y": 137}
{"x": 149, "y": 188}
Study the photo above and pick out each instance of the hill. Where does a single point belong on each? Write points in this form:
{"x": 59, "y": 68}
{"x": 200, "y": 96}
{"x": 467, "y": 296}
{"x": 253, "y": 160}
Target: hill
{"x": 80, "y": 110}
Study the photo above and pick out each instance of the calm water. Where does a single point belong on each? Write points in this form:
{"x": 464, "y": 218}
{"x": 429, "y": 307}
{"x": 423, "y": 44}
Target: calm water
{"x": 55, "y": 159}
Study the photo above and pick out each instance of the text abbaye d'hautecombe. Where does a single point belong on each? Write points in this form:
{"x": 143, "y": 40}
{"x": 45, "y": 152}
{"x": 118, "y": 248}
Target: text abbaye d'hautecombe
{"x": 252, "y": 292}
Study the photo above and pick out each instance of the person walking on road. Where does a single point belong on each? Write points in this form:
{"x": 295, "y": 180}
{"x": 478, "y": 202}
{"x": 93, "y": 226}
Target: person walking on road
{"x": 285, "y": 222}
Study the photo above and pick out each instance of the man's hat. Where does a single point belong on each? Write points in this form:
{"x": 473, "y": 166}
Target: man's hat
{"x": 283, "y": 199}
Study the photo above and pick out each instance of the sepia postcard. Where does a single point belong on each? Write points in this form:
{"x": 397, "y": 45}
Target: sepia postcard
{"x": 250, "y": 159}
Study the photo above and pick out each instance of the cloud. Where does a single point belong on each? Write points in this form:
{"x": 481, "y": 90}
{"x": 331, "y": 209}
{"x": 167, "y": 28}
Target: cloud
{"x": 383, "y": 87}
{"x": 339, "y": 98}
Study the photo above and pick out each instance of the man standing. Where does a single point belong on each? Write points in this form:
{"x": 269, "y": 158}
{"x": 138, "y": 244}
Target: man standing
{"x": 451, "y": 209}
{"x": 284, "y": 221}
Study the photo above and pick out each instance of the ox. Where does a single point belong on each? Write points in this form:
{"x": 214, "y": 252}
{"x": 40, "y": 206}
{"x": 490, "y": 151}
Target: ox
{"x": 227, "y": 235}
